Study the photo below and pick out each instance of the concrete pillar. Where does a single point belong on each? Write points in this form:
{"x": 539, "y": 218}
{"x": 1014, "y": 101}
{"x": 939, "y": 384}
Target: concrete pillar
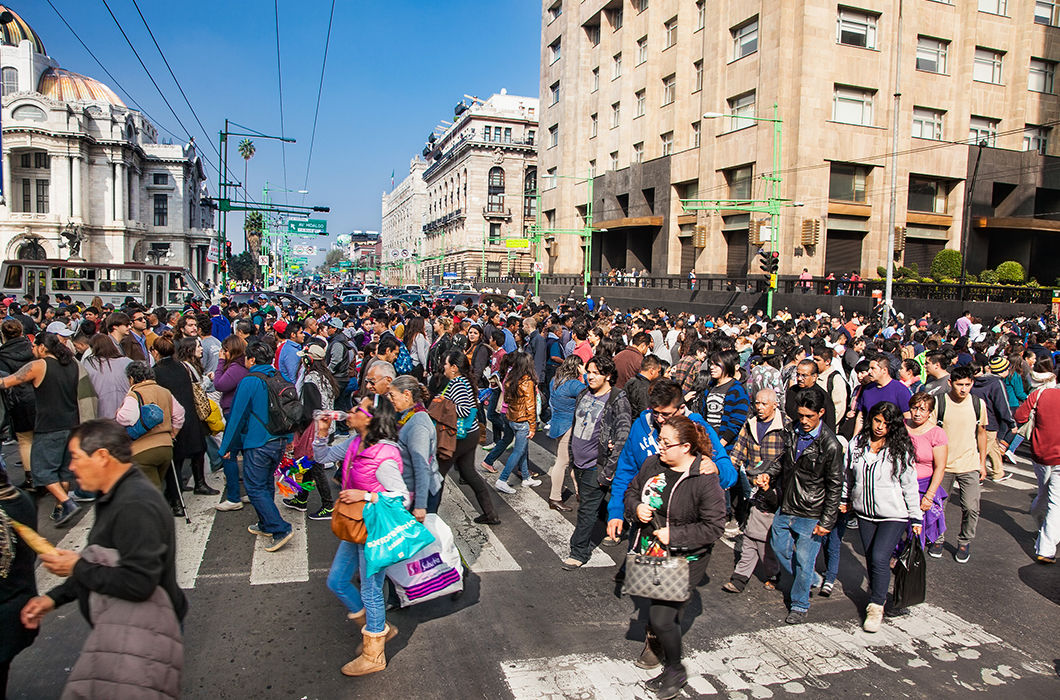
{"x": 120, "y": 190}
{"x": 108, "y": 194}
{"x": 9, "y": 195}
{"x": 134, "y": 192}
{"x": 76, "y": 193}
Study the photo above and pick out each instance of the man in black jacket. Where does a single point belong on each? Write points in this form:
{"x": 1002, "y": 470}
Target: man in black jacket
{"x": 637, "y": 387}
{"x": 131, "y": 517}
{"x": 809, "y": 474}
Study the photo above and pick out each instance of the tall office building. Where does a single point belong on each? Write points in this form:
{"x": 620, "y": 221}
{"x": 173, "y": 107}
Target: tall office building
{"x": 401, "y": 233}
{"x": 625, "y": 85}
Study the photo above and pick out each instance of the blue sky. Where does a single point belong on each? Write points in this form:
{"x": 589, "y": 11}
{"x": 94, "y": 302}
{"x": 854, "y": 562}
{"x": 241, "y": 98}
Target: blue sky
{"x": 394, "y": 70}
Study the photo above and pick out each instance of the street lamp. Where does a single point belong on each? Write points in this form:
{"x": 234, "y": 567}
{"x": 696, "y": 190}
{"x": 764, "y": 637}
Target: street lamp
{"x": 585, "y": 233}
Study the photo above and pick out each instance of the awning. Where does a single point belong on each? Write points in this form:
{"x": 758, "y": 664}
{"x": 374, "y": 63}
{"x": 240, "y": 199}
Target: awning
{"x": 737, "y": 222}
{"x": 1024, "y": 223}
{"x": 629, "y": 222}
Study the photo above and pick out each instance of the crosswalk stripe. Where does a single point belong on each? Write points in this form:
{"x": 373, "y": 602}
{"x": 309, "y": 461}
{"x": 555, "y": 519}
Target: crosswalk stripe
{"x": 1014, "y": 484}
{"x": 288, "y": 565}
{"x": 192, "y": 539}
{"x": 479, "y": 546}
{"x": 74, "y": 540}
{"x": 1021, "y": 472}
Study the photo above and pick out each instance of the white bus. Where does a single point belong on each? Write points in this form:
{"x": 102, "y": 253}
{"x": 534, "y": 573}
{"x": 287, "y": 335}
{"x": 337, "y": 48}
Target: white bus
{"x": 150, "y": 285}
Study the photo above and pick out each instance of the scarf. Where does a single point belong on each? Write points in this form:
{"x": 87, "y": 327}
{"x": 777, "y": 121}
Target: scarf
{"x": 417, "y": 408}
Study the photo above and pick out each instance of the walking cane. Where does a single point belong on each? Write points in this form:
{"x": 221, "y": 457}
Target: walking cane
{"x": 180, "y": 496}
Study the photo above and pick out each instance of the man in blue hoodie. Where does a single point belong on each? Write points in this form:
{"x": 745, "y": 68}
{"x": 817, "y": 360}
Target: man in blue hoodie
{"x": 246, "y": 430}
{"x": 665, "y": 400}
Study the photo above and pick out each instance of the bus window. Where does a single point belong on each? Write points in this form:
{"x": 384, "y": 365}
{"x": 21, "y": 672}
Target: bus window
{"x": 13, "y": 278}
{"x": 73, "y": 279}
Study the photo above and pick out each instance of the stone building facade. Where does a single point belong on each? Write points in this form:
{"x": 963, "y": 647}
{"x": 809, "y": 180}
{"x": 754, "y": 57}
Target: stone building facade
{"x": 625, "y": 85}
{"x": 78, "y": 162}
{"x": 401, "y": 234}
{"x": 481, "y": 182}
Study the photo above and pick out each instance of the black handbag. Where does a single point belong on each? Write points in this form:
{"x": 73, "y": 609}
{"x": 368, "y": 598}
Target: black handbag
{"x": 910, "y": 575}
{"x": 658, "y": 578}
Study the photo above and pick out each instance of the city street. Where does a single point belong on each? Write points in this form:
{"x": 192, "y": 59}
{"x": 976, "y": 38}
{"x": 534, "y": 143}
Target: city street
{"x": 265, "y": 625}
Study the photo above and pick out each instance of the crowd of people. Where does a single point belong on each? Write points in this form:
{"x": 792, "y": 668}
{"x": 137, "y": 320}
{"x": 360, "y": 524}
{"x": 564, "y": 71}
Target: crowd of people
{"x": 673, "y": 430}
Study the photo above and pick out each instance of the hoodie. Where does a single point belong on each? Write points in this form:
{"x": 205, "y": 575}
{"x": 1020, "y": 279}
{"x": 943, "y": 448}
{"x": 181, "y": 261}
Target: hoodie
{"x": 991, "y": 389}
{"x": 22, "y": 407}
{"x": 643, "y": 442}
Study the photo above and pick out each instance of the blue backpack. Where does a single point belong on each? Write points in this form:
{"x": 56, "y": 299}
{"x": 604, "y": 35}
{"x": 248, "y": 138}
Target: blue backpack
{"x": 403, "y": 363}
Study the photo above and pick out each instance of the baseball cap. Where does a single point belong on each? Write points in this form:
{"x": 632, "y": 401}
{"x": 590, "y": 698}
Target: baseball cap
{"x": 280, "y": 326}
{"x": 336, "y": 323}
{"x": 8, "y": 301}
{"x": 59, "y": 328}
{"x": 313, "y": 351}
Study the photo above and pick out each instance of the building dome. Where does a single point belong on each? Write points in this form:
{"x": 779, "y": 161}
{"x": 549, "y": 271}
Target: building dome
{"x": 16, "y": 30}
{"x": 66, "y": 86}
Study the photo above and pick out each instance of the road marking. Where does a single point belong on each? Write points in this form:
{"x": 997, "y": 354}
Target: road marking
{"x": 1013, "y": 484}
{"x": 1021, "y": 472}
{"x": 192, "y": 539}
{"x": 288, "y": 565}
{"x": 74, "y": 540}
{"x": 478, "y": 545}
{"x": 794, "y": 659}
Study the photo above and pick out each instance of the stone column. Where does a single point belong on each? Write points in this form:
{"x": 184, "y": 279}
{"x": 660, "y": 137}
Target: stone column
{"x": 9, "y": 195}
{"x": 120, "y": 190}
{"x": 134, "y": 192}
{"x": 77, "y": 196}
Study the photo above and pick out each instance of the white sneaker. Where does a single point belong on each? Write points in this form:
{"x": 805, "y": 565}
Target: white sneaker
{"x": 531, "y": 482}
{"x": 228, "y": 505}
{"x": 503, "y": 486}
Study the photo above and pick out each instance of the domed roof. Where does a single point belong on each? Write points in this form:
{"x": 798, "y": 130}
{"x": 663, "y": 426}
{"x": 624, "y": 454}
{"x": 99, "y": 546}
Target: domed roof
{"x": 66, "y": 86}
{"x": 16, "y": 30}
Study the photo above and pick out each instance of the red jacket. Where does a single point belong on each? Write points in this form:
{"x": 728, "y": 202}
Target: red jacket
{"x": 1045, "y": 438}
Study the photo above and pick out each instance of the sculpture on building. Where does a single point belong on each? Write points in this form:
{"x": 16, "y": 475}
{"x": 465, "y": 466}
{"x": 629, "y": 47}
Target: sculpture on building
{"x": 74, "y": 237}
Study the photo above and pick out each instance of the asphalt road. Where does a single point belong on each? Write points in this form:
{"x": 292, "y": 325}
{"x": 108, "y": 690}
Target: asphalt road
{"x": 265, "y": 625}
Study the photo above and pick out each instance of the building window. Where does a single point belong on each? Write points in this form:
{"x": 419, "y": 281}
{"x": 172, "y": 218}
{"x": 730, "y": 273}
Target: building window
{"x": 616, "y": 66}
{"x": 931, "y": 54}
{"x": 507, "y": 134}
{"x": 593, "y": 124}
{"x": 554, "y": 51}
{"x": 670, "y": 33}
{"x": 739, "y": 182}
{"x": 27, "y": 194}
{"x": 555, "y": 11}
{"x": 495, "y": 190}
{"x": 641, "y": 5}
{"x": 852, "y": 105}
{"x": 1035, "y": 138}
{"x": 1041, "y": 75}
{"x": 744, "y": 39}
{"x": 695, "y": 134}
{"x": 855, "y": 28}
{"x": 41, "y": 160}
{"x": 487, "y": 133}
{"x": 27, "y": 160}
{"x": 163, "y": 178}
{"x": 613, "y": 160}
{"x": 638, "y": 152}
{"x": 529, "y": 140}
{"x": 615, "y": 18}
{"x": 42, "y": 196}
{"x": 994, "y": 7}
{"x": 592, "y": 168}
{"x": 553, "y": 136}
{"x": 550, "y": 179}
{"x": 1045, "y": 12}
{"x": 10, "y": 81}
{"x": 927, "y": 195}
{"x": 642, "y": 50}
{"x": 616, "y": 114}
{"x": 595, "y": 80}
{"x": 846, "y": 183}
{"x": 697, "y": 76}
{"x": 701, "y": 15}
{"x": 983, "y": 129}
{"x": 667, "y": 140}
{"x": 927, "y": 123}
{"x": 740, "y": 108}
{"x": 639, "y": 102}
{"x": 495, "y": 234}
{"x": 987, "y": 66}
{"x": 554, "y": 92}
{"x": 529, "y": 182}
{"x": 161, "y": 209}
{"x": 669, "y": 89}
{"x": 592, "y": 32}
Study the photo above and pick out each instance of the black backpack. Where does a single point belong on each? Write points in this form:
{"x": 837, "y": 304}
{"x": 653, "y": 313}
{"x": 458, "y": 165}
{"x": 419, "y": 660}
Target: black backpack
{"x": 977, "y": 407}
{"x": 286, "y": 412}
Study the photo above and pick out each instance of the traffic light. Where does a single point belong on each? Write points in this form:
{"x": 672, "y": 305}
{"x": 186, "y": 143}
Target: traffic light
{"x": 769, "y": 261}
{"x": 228, "y": 248}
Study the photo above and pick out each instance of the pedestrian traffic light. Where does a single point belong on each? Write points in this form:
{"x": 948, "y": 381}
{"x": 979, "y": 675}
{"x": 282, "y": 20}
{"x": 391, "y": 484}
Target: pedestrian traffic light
{"x": 769, "y": 261}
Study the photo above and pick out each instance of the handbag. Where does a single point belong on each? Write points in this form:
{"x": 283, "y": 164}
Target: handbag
{"x": 347, "y": 522}
{"x": 199, "y": 398}
{"x": 658, "y": 578}
{"x": 215, "y": 422}
{"x": 443, "y": 411}
{"x": 151, "y": 416}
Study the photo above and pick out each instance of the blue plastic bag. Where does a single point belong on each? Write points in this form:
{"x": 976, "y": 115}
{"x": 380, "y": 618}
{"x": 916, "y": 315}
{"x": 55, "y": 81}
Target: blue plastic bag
{"x": 393, "y": 534}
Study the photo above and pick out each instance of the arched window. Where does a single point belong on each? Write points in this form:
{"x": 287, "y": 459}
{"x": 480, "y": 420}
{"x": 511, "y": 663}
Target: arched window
{"x": 497, "y": 179}
{"x": 495, "y": 195}
{"x": 31, "y": 250}
{"x": 530, "y": 182}
{"x": 10, "y": 81}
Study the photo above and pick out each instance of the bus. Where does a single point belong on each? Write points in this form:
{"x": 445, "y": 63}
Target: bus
{"x": 150, "y": 285}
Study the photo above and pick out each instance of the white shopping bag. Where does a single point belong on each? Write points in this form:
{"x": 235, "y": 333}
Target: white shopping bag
{"x": 432, "y": 572}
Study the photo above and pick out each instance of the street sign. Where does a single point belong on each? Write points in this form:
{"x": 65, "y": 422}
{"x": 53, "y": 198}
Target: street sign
{"x": 539, "y": 267}
{"x": 449, "y": 275}
{"x": 345, "y": 263}
{"x": 212, "y": 254}
{"x": 263, "y": 260}
{"x": 517, "y": 242}
{"x": 310, "y": 227}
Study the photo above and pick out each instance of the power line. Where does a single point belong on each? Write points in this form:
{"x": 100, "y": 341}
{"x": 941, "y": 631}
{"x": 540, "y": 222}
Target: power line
{"x": 279, "y": 83}
{"x": 320, "y": 90}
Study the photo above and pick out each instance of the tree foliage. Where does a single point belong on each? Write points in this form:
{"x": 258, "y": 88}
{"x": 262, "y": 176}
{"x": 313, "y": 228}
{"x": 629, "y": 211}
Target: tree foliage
{"x": 1011, "y": 272}
{"x": 243, "y": 266}
{"x": 947, "y": 263}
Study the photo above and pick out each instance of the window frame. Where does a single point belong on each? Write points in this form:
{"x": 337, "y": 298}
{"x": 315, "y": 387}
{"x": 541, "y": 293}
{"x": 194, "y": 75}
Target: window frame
{"x": 1036, "y": 134}
{"x": 928, "y": 118}
{"x": 616, "y": 114}
{"x": 670, "y": 32}
{"x": 986, "y": 129}
{"x": 595, "y": 79}
{"x": 594, "y": 125}
{"x": 697, "y": 71}
{"x": 42, "y": 195}
{"x": 1048, "y": 73}
{"x": 858, "y": 174}
{"x": 669, "y": 89}
{"x": 735, "y": 183}
{"x": 701, "y": 15}
{"x": 941, "y": 54}
{"x": 555, "y": 51}
{"x": 738, "y": 106}
{"x": 160, "y": 214}
{"x": 642, "y": 50}
{"x": 640, "y": 102}
{"x": 697, "y": 134}
{"x": 850, "y": 19}
{"x": 8, "y": 75}
{"x": 666, "y": 139}
{"x": 553, "y": 136}
{"x": 553, "y": 90}
{"x": 1054, "y": 13}
{"x": 616, "y": 66}
{"x": 1000, "y": 7}
{"x": 739, "y": 38}
{"x": 996, "y": 65}
{"x": 939, "y": 198}
{"x": 638, "y": 152}
{"x": 867, "y": 100}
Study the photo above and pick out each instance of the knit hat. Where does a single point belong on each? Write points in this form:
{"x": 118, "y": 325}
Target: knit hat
{"x": 999, "y": 365}
{"x": 280, "y": 326}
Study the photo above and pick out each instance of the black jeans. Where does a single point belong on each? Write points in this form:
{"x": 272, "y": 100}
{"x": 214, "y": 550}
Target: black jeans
{"x": 664, "y": 616}
{"x": 319, "y": 477}
{"x": 592, "y": 499}
{"x": 879, "y": 538}
{"x": 545, "y": 389}
{"x": 464, "y": 460}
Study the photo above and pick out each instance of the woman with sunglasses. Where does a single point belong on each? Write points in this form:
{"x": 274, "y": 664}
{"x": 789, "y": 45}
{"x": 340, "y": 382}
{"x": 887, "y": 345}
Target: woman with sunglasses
{"x": 677, "y": 502}
{"x": 371, "y": 465}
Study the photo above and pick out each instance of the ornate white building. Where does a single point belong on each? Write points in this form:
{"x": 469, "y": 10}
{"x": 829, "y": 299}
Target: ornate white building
{"x": 78, "y": 165}
{"x": 401, "y": 234}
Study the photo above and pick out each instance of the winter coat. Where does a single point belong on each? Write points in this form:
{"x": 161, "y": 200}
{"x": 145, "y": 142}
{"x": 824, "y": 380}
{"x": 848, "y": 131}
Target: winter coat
{"x": 19, "y": 585}
{"x": 246, "y": 424}
{"x": 811, "y": 485}
{"x": 22, "y": 401}
{"x": 191, "y": 440}
{"x": 1014, "y": 390}
{"x": 524, "y": 408}
{"x": 226, "y": 380}
{"x": 637, "y": 391}
{"x": 991, "y": 389}
{"x": 872, "y": 490}
{"x": 110, "y": 382}
{"x": 615, "y": 421}
{"x": 562, "y": 400}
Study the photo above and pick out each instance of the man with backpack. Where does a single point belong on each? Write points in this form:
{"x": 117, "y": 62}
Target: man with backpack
{"x": 340, "y": 356}
{"x": 964, "y": 419}
{"x": 260, "y": 425}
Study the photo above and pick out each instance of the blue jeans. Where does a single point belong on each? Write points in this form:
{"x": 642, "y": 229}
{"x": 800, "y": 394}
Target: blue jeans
{"x": 213, "y": 454}
{"x": 502, "y": 436}
{"x": 520, "y": 451}
{"x": 796, "y": 548}
{"x": 833, "y": 545}
{"x": 349, "y": 559}
{"x": 259, "y": 463}
{"x": 231, "y": 469}
{"x": 879, "y": 539}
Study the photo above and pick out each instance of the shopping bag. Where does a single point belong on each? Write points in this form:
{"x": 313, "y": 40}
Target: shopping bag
{"x": 910, "y": 575}
{"x": 433, "y": 572}
{"x": 393, "y": 534}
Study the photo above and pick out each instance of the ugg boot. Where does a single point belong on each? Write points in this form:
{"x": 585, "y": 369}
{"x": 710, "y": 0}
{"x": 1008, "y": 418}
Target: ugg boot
{"x": 372, "y": 659}
{"x": 358, "y": 617}
{"x": 873, "y": 618}
{"x": 391, "y": 632}
{"x": 652, "y": 656}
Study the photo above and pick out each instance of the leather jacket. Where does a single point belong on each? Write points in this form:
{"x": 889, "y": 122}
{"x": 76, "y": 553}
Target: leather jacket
{"x": 812, "y": 485}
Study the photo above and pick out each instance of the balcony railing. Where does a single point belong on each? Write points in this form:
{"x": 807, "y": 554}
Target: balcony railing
{"x": 443, "y": 221}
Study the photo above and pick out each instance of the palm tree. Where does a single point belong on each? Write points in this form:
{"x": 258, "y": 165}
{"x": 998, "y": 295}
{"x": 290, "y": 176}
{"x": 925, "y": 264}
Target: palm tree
{"x": 252, "y": 232}
{"x": 246, "y": 149}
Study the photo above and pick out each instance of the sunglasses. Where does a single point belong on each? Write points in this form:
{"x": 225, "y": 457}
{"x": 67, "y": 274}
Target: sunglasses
{"x": 365, "y": 411}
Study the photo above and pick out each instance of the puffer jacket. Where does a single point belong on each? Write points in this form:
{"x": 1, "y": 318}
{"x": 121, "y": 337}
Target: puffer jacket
{"x": 812, "y": 485}
{"x": 615, "y": 422}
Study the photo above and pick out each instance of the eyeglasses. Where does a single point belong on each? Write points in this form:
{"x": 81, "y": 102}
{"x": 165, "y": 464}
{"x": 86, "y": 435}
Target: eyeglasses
{"x": 664, "y": 446}
{"x": 659, "y": 414}
{"x": 138, "y": 319}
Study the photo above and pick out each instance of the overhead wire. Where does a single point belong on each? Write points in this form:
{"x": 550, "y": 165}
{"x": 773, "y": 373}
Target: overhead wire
{"x": 279, "y": 84}
{"x": 320, "y": 91}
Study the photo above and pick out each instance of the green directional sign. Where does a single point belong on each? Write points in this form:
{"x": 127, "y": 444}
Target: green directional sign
{"x": 310, "y": 227}
{"x": 345, "y": 263}
{"x": 299, "y": 260}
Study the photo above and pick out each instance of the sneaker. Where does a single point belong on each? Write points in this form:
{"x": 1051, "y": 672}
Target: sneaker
{"x": 295, "y": 504}
{"x": 570, "y": 564}
{"x": 227, "y": 505}
{"x": 82, "y": 496}
{"x": 531, "y": 482}
{"x": 873, "y": 618}
{"x": 245, "y": 499}
{"x": 608, "y": 542}
{"x": 732, "y": 528}
{"x": 279, "y": 541}
{"x": 1004, "y": 477}
{"x": 503, "y": 486}
{"x": 57, "y": 512}
{"x": 795, "y": 617}
{"x": 852, "y": 524}
{"x": 826, "y": 589}
{"x": 935, "y": 549}
{"x": 322, "y": 514}
{"x": 255, "y": 530}
{"x": 69, "y": 510}
{"x": 486, "y": 466}
{"x": 487, "y": 520}
{"x": 964, "y": 553}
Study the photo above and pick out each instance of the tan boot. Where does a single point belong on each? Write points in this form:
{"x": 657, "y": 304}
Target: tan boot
{"x": 391, "y": 632}
{"x": 372, "y": 659}
{"x": 358, "y": 617}
{"x": 873, "y": 618}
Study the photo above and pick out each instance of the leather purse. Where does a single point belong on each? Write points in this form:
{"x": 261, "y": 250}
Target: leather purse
{"x": 658, "y": 578}
{"x": 347, "y": 522}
